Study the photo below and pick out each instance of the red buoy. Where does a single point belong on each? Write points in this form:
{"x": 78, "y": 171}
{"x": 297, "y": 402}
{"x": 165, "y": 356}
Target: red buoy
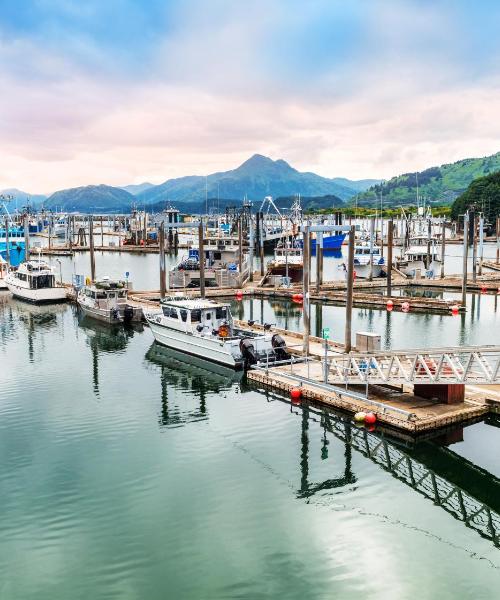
{"x": 454, "y": 309}
{"x": 389, "y": 305}
{"x": 295, "y": 394}
{"x": 239, "y": 294}
{"x": 405, "y": 307}
{"x": 484, "y": 289}
{"x": 370, "y": 418}
{"x": 300, "y": 297}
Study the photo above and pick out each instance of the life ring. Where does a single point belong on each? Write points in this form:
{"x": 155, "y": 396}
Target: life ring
{"x": 223, "y": 331}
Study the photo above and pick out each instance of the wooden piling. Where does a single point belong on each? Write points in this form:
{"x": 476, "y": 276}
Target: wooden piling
{"x": 7, "y": 250}
{"x": 91, "y": 247}
{"x": 390, "y": 233}
{"x": 26, "y": 238}
{"x": 474, "y": 249}
{"x": 306, "y": 280}
{"x": 443, "y": 247}
{"x": 201, "y": 258}
{"x": 349, "y": 295}
{"x": 464, "y": 263}
{"x": 161, "y": 243}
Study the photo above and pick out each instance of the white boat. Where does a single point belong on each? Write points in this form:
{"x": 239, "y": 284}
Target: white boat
{"x": 288, "y": 260}
{"x": 205, "y": 328}
{"x": 3, "y": 273}
{"x": 416, "y": 258}
{"x": 34, "y": 281}
{"x": 367, "y": 257}
{"x": 106, "y": 300}
{"x": 221, "y": 265}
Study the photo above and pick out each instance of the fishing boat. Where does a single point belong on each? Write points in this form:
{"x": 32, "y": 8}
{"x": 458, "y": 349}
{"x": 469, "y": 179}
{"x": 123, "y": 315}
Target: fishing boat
{"x": 3, "y": 273}
{"x": 34, "y": 281}
{"x": 12, "y": 244}
{"x": 288, "y": 260}
{"x": 222, "y": 256}
{"x": 367, "y": 259}
{"x": 205, "y": 328}
{"x": 106, "y": 300}
{"x": 421, "y": 255}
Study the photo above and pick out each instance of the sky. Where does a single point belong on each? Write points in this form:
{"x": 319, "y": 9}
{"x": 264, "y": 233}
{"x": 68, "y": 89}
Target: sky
{"x": 126, "y": 91}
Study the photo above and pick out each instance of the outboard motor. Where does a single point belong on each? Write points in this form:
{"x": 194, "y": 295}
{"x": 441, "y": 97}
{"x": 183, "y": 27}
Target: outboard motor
{"x": 279, "y": 345}
{"x": 128, "y": 314}
{"x": 115, "y": 313}
{"x": 247, "y": 350}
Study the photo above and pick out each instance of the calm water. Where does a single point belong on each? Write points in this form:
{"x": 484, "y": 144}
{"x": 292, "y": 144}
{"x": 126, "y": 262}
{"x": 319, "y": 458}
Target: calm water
{"x": 128, "y": 472}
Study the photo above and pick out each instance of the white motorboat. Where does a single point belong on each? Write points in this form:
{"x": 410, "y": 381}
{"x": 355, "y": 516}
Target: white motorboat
{"x": 3, "y": 273}
{"x": 421, "y": 255}
{"x": 34, "y": 281}
{"x": 205, "y": 328}
{"x": 367, "y": 257}
{"x": 288, "y": 260}
{"x": 106, "y": 300}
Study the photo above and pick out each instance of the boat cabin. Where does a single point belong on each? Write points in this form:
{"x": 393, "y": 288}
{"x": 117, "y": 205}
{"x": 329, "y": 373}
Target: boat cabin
{"x": 202, "y": 317}
{"x": 105, "y": 289}
{"x": 36, "y": 274}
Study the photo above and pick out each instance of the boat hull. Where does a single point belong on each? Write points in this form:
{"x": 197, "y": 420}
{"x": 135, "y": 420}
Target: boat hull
{"x": 106, "y": 315}
{"x": 206, "y": 348}
{"x": 363, "y": 271}
{"x": 331, "y": 242}
{"x": 44, "y": 295}
{"x": 295, "y": 272}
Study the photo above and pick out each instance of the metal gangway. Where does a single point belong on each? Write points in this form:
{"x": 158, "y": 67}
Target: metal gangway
{"x": 470, "y": 365}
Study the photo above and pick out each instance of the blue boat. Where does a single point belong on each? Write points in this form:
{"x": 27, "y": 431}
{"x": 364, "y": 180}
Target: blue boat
{"x": 16, "y": 252}
{"x": 330, "y": 242}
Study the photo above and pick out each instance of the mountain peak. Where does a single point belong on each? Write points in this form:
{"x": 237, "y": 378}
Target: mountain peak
{"x": 257, "y": 160}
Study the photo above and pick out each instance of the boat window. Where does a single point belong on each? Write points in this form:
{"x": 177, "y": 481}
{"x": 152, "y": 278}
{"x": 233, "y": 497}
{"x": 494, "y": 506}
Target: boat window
{"x": 196, "y": 315}
{"x": 221, "y": 313}
{"x": 21, "y": 276}
{"x": 101, "y": 295}
{"x": 208, "y": 316}
{"x": 121, "y": 294}
{"x": 184, "y": 314}
{"x": 217, "y": 255}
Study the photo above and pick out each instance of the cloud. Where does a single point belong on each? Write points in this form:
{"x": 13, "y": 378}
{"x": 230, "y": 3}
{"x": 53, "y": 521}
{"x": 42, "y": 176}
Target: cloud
{"x": 371, "y": 89}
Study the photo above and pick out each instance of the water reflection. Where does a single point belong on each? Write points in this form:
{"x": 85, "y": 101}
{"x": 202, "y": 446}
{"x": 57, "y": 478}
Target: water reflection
{"x": 106, "y": 338}
{"x": 430, "y": 467}
{"x": 194, "y": 376}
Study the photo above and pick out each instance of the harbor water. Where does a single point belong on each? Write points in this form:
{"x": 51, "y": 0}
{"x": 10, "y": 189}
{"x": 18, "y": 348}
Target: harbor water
{"x": 131, "y": 472}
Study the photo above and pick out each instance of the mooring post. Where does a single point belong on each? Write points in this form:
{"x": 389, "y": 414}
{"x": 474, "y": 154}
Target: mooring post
{"x": 91, "y": 247}
{"x": 474, "y": 248}
{"x": 389, "y": 256}
{"x": 305, "y": 281}
{"x": 349, "y": 298}
{"x": 251, "y": 244}
{"x": 7, "y": 249}
{"x": 498, "y": 240}
{"x": 102, "y": 231}
{"x": 240, "y": 249}
{"x": 481, "y": 244}
{"x": 464, "y": 264}
{"x": 161, "y": 244}
{"x": 443, "y": 246}
{"x": 261, "y": 244}
{"x": 319, "y": 261}
{"x": 372, "y": 233}
{"x": 26, "y": 238}
{"x": 201, "y": 258}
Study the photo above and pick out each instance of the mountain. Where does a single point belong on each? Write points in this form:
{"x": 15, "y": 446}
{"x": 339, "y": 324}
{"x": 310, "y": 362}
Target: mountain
{"x": 91, "y": 198}
{"x": 137, "y": 188}
{"x": 256, "y": 178}
{"x": 22, "y": 197}
{"x": 309, "y": 203}
{"x": 483, "y": 194}
{"x": 440, "y": 185}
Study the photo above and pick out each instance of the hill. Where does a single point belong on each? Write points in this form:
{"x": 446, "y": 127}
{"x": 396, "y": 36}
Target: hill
{"x": 22, "y": 198}
{"x": 484, "y": 194}
{"x": 257, "y": 177}
{"x": 137, "y": 188}
{"x": 439, "y": 185}
{"x": 91, "y": 198}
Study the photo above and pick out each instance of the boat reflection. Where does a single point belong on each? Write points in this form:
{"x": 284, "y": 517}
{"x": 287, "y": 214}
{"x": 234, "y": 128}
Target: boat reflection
{"x": 185, "y": 382}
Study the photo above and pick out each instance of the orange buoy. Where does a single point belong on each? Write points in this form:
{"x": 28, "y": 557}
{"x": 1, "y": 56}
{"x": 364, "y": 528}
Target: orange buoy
{"x": 370, "y": 418}
{"x": 295, "y": 394}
